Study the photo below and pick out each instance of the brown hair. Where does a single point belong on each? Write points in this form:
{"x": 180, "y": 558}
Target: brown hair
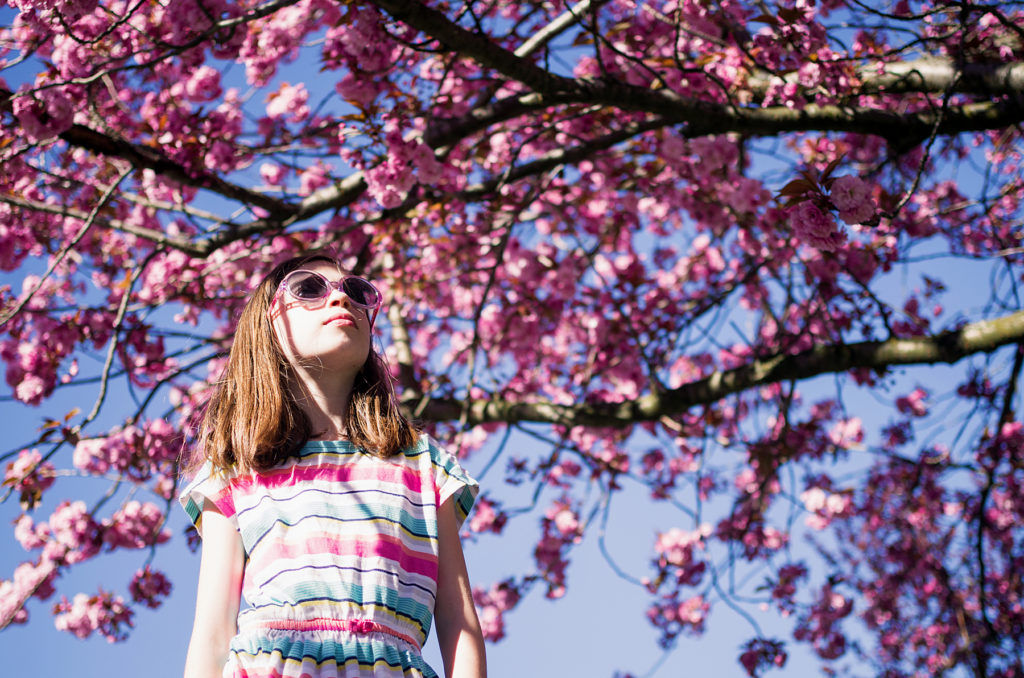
{"x": 252, "y": 422}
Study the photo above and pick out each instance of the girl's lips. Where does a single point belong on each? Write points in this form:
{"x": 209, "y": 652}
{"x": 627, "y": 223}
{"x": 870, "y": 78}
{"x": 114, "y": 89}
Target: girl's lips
{"x": 341, "y": 319}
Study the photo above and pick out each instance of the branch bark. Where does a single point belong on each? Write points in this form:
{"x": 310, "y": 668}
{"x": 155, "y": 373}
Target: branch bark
{"x": 947, "y": 347}
{"x": 926, "y": 75}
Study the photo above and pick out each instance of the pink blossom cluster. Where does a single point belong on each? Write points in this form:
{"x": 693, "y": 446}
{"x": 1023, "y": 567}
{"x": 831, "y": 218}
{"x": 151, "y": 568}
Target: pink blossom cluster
{"x": 30, "y": 535}
{"x": 815, "y": 227}
{"x": 746, "y": 526}
{"x": 675, "y": 549}
{"x": 821, "y": 625}
{"x": 141, "y": 453}
{"x": 662, "y": 471}
{"x": 487, "y": 517}
{"x": 604, "y": 454}
{"x": 30, "y": 579}
{"x": 562, "y": 473}
{"x": 364, "y": 49}
{"x": 847, "y": 433}
{"x": 291, "y": 101}
{"x": 492, "y": 604}
{"x": 30, "y": 476}
{"x": 203, "y": 85}
{"x": 784, "y": 586}
{"x": 760, "y": 654}
{"x": 824, "y": 506}
{"x": 39, "y": 342}
{"x": 852, "y": 197}
{"x": 408, "y": 161}
{"x": 914, "y": 403}
{"x": 200, "y": 144}
{"x": 145, "y": 358}
{"x": 73, "y": 535}
{"x": 314, "y": 177}
{"x": 673, "y": 617}
{"x": 906, "y": 630}
{"x": 136, "y": 525}
{"x": 46, "y": 113}
{"x": 1007, "y": 444}
{"x": 68, "y": 10}
{"x": 103, "y": 613}
{"x": 276, "y": 39}
{"x": 561, "y": 528}
{"x": 149, "y": 587}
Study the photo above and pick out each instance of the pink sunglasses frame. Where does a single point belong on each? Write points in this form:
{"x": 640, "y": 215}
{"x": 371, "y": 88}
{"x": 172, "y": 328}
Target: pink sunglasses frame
{"x": 331, "y": 285}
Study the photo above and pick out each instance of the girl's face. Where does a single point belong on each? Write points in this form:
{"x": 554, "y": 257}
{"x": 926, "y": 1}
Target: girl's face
{"x": 332, "y": 334}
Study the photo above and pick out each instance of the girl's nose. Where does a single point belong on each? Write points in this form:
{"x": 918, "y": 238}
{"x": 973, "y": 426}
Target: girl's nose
{"x": 337, "y": 297}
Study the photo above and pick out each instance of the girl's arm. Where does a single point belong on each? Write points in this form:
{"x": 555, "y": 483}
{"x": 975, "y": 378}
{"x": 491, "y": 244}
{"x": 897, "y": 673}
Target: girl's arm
{"x": 458, "y": 628}
{"x": 217, "y": 600}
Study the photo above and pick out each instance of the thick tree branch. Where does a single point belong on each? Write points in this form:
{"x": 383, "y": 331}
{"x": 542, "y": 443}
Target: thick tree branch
{"x": 926, "y": 75}
{"x": 442, "y": 132}
{"x": 948, "y": 347}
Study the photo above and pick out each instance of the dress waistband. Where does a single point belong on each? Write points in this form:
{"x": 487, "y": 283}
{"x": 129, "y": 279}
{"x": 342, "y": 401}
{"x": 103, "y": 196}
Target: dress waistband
{"x": 357, "y": 626}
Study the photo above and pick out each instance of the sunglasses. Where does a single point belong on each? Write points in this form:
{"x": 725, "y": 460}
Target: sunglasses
{"x": 310, "y": 288}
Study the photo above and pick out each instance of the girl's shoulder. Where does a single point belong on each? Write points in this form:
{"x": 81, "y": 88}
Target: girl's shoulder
{"x": 208, "y": 484}
{"x": 427, "y": 449}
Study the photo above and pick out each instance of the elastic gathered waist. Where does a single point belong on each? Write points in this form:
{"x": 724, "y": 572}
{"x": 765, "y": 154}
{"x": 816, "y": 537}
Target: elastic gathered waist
{"x": 357, "y": 626}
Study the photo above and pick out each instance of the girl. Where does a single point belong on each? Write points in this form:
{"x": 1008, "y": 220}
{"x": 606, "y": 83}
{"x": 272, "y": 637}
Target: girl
{"x": 319, "y": 504}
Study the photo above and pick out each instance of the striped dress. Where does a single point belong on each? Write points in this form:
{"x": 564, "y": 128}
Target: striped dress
{"x": 341, "y": 558}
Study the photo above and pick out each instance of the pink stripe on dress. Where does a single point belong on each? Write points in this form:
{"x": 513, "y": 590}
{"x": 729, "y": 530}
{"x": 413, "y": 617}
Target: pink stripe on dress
{"x": 424, "y": 564}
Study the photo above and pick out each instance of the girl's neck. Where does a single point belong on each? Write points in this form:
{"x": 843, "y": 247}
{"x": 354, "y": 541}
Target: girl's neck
{"x": 325, "y": 403}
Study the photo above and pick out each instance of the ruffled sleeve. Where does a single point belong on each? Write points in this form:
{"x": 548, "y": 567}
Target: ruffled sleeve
{"x": 452, "y": 480}
{"x": 209, "y": 484}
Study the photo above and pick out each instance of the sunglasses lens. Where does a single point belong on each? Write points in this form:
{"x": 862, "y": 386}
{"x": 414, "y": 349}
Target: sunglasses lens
{"x": 361, "y": 292}
{"x": 308, "y": 287}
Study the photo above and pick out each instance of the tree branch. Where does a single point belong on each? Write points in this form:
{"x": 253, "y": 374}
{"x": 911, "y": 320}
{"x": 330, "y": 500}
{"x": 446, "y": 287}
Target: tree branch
{"x": 948, "y": 347}
{"x": 926, "y": 75}
{"x": 560, "y": 24}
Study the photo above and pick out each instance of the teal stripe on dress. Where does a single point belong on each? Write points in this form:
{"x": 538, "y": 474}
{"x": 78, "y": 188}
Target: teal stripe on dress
{"x": 364, "y": 652}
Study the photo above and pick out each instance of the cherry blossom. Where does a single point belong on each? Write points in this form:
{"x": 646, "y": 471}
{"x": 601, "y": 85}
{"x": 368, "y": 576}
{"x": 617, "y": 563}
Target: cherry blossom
{"x": 103, "y": 613}
{"x": 852, "y": 197}
{"x": 149, "y": 587}
{"x": 30, "y": 476}
{"x": 815, "y": 227}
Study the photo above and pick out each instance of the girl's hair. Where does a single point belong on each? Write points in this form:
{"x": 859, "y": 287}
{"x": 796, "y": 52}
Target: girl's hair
{"x": 253, "y": 422}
